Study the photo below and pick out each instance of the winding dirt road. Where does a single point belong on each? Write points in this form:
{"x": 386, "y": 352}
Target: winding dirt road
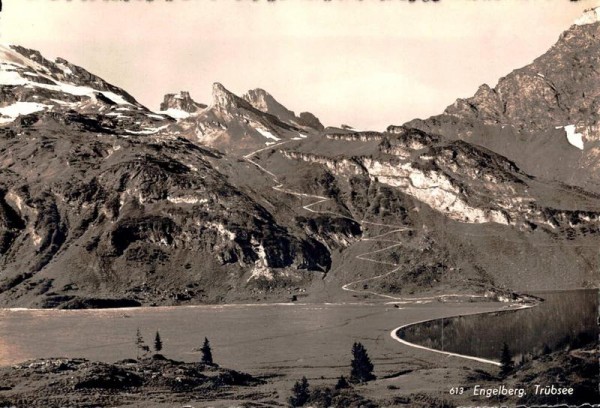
{"x": 365, "y": 256}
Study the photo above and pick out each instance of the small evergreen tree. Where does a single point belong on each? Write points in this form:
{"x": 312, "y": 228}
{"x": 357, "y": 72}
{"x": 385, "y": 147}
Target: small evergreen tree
{"x": 206, "y": 352}
{"x": 300, "y": 393}
{"x": 506, "y": 361}
{"x": 140, "y": 344}
{"x": 158, "y": 345}
{"x": 342, "y": 383}
{"x": 362, "y": 368}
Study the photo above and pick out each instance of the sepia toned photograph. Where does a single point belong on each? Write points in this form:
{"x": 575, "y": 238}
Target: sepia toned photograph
{"x": 299, "y": 203}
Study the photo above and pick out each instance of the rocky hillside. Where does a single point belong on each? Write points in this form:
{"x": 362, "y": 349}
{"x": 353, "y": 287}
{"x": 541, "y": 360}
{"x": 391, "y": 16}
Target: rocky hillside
{"x": 544, "y": 116}
{"x": 101, "y": 207}
{"x": 104, "y": 202}
{"x": 151, "y": 381}
{"x": 471, "y": 212}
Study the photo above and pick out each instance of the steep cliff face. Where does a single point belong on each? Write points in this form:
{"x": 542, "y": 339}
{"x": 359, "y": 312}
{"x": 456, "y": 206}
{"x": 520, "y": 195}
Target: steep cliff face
{"x": 264, "y": 102}
{"x": 355, "y": 136}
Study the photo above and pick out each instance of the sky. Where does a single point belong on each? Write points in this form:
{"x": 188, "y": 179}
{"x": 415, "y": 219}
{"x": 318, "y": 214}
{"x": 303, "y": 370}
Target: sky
{"x": 365, "y": 63}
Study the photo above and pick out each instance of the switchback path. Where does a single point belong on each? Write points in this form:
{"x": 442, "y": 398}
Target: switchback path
{"x": 350, "y": 287}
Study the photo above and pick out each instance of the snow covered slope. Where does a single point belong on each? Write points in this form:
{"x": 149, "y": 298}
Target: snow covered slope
{"x": 33, "y": 84}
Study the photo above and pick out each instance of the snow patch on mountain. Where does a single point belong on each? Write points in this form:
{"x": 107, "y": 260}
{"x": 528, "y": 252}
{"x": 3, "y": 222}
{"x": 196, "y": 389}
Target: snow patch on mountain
{"x": 118, "y": 99}
{"x": 11, "y": 112}
{"x": 589, "y": 16}
{"x": 12, "y": 65}
{"x": 147, "y": 131}
{"x": 154, "y": 116}
{"x": 10, "y": 76}
{"x": 65, "y": 69}
{"x": 187, "y": 200}
{"x": 267, "y": 134}
{"x": 82, "y": 91}
{"x": 176, "y": 113}
{"x": 574, "y": 138}
{"x": 117, "y": 115}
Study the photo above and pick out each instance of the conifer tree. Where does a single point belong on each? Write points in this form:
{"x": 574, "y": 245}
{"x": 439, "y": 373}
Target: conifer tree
{"x": 506, "y": 361}
{"x": 300, "y": 393}
{"x": 342, "y": 383}
{"x": 140, "y": 344}
{"x": 158, "y": 345}
{"x": 362, "y": 368}
{"x": 206, "y": 352}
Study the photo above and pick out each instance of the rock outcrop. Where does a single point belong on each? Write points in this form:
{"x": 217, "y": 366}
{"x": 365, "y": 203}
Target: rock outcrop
{"x": 181, "y": 101}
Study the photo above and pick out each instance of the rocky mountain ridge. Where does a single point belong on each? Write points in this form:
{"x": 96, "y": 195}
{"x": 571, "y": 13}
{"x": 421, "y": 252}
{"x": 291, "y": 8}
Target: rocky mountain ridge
{"x": 263, "y": 101}
{"x": 106, "y": 203}
{"x": 543, "y": 116}
{"x": 238, "y": 125}
{"x": 93, "y": 184}
{"x": 464, "y": 182}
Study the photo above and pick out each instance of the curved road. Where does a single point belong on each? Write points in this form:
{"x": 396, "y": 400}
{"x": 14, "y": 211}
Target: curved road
{"x": 364, "y": 257}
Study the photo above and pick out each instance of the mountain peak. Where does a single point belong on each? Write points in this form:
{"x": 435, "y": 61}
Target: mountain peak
{"x": 589, "y": 16}
{"x": 181, "y": 101}
{"x": 24, "y": 69}
{"x": 264, "y": 102}
{"x": 260, "y": 99}
{"x": 224, "y": 98}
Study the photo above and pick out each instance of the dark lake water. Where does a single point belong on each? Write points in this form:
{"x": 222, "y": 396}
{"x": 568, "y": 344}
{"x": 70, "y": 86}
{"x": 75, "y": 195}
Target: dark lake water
{"x": 564, "y": 319}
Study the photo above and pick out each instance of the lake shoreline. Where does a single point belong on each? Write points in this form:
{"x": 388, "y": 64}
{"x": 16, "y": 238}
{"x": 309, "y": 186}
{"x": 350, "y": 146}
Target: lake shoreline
{"x": 277, "y": 343}
{"x": 394, "y": 333}
{"x": 555, "y": 315}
